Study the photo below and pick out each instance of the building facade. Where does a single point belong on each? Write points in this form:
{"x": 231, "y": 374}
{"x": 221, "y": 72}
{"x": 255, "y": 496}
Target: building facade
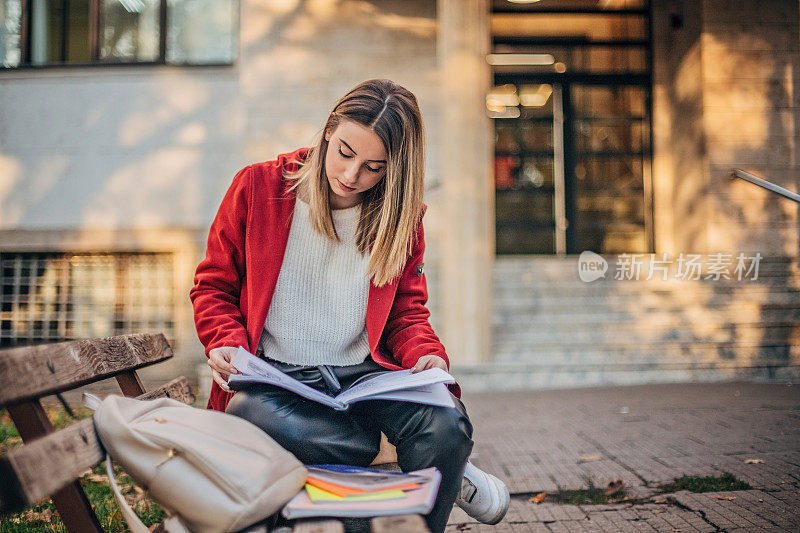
{"x": 553, "y": 128}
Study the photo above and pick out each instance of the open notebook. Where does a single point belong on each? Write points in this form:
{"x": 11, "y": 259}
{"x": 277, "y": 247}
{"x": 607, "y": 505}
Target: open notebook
{"x": 426, "y": 387}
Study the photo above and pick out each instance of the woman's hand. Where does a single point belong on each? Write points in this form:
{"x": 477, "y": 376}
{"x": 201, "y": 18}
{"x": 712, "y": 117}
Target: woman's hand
{"x": 429, "y": 361}
{"x": 219, "y": 359}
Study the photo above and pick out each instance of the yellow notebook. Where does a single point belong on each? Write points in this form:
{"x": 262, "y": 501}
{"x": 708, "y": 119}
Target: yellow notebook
{"x": 316, "y": 494}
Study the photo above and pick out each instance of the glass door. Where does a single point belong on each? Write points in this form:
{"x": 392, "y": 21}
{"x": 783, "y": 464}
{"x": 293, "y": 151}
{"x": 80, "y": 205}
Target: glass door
{"x": 571, "y": 103}
{"x": 571, "y": 167}
{"x": 526, "y": 169}
{"x": 610, "y": 171}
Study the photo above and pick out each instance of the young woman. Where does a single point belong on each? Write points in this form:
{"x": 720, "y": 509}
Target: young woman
{"x": 315, "y": 262}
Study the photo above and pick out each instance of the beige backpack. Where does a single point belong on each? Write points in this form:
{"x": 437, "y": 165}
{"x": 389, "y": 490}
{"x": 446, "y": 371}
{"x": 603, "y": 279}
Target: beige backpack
{"x": 214, "y": 471}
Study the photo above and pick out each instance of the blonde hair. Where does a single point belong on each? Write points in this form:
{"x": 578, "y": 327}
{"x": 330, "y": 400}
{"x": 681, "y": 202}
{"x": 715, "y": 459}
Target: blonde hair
{"x": 392, "y": 209}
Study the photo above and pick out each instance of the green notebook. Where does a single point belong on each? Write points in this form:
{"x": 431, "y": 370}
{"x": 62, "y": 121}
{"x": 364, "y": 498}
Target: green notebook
{"x": 318, "y": 495}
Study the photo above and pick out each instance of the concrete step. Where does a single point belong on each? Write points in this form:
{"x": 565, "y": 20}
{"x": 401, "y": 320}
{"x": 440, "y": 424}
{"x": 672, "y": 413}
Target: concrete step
{"x": 546, "y": 268}
{"x": 549, "y": 354}
{"x": 639, "y": 301}
{"x": 569, "y": 272}
{"x": 621, "y": 345}
{"x": 551, "y": 329}
{"x": 653, "y": 318}
{"x": 510, "y": 288}
{"x": 503, "y": 377}
{"x": 644, "y": 333}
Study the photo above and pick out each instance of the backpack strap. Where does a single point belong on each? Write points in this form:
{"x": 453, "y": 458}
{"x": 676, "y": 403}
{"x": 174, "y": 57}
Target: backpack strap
{"x": 134, "y": 523}
{"x": 172, "y": 524}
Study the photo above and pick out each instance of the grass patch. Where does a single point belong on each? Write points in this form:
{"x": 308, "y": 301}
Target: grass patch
{"x": 9, "y": 437}
{"x": 43, "y": 517}
{"x": 598, "y": 496}
{"x": 725, "y": 482}
{"x": 615, "y": 492}
{"x": 592, "y": 496}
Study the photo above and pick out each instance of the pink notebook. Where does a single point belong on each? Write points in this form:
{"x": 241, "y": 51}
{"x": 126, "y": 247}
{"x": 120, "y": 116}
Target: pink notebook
{"x": 416, "y": 501}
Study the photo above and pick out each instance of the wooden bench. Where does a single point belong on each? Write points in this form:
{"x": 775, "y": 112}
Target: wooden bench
{"x": 50, "y": 463}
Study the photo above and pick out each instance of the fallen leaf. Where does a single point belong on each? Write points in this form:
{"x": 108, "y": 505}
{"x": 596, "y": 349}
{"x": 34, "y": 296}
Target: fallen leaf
{"x": 628, "y": 504}
{"x": 753, "y": 461}
{"x": 97, "y": 478}
{"x": 32, "y": 516}
{"x": 660, "y": 501}
{"x": 135, "y": 500}
{"x": 588, "y": 457}
{"x": 539, "y": 498}
{"x": 659, "y": 511}
{"x": 614, "y": 487}
{"x": 462, "y": 527}
{"x": 675, "y": 529}
{"x": 760, "y": 500}
{"x": 728, "y": 498}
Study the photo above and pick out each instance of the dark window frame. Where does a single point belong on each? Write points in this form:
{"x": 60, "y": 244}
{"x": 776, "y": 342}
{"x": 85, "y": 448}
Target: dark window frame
{"x": 643, "y": 79}
{"x": 95, "y": 16}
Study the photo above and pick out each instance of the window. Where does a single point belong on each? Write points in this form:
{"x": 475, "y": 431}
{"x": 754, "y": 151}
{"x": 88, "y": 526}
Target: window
{"x": 571, "y": 107}
{"x": 50, "y": 297}
{"x": 36, "y": 33}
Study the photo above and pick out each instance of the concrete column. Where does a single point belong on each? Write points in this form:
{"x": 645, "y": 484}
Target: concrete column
{"x": 679, "y": 144}
{"x": 467, "y": 228}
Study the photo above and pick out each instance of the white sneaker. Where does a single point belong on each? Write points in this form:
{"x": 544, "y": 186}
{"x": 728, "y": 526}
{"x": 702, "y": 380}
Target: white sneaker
{"x": 482, "y": 496}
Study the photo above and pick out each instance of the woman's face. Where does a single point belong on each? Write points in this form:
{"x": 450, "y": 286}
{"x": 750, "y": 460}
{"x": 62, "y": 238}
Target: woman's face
{"x": 355, "y": 162}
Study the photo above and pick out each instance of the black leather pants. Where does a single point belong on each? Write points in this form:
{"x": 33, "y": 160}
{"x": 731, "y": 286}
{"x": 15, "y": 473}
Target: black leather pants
{"x": 424, "y": 435}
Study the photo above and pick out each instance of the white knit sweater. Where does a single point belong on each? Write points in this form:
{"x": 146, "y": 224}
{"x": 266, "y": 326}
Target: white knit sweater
{"x": 319, "y": 309}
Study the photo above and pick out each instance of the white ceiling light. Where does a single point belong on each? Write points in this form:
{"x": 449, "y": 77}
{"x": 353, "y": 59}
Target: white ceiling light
{"x": 520, "y": 59}
{"x": 132, "y": 6}
{"x": 535, "y": 96}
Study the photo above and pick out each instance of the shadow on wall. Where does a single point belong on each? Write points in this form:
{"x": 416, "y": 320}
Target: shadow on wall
{"x": 736, "y": 98}
{"x": 760, "y": 133}
{"x": 148, "y": 147}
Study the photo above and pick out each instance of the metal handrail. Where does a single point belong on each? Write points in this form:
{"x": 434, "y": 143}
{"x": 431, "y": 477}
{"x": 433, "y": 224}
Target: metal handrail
{"x": 755, "y": 180}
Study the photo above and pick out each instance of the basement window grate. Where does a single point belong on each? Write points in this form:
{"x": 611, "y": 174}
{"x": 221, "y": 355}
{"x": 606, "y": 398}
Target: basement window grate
{"x": 56, "y": 296}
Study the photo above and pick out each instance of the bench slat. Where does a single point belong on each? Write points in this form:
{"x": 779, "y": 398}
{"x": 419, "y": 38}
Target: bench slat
{"x": 49, "y": 463}
{"x": 28, "y": 372}
{"x": 406, "y": 523}
{"x": 177, "y": 389}
{"x": 318, "y": 526}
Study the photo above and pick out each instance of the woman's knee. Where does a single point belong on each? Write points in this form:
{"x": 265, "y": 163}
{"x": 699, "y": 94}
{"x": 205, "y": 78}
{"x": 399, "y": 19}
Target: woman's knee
{"x": 264, "y": 411}
{"x": 307, "y": 430}
{"x": 247, "y": 406}
{"x": 449, "y": 434}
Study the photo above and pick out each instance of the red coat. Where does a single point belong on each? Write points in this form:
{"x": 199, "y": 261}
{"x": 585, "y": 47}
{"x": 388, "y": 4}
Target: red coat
{"x": 234, "y": 284}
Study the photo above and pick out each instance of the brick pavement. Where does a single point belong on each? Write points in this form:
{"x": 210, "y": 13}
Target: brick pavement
{"x": 646, "y": 435}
